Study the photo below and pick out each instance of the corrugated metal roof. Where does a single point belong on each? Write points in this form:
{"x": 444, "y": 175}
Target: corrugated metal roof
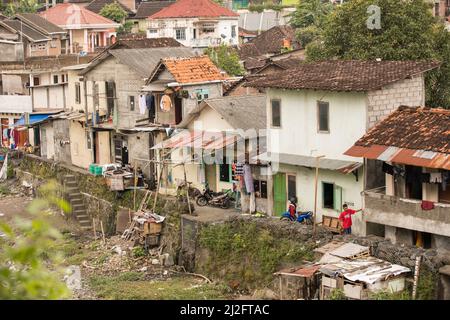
{"x": 402, "y": 155}
{"x": 368, "y": 270}
{"x": 310, "y": 161}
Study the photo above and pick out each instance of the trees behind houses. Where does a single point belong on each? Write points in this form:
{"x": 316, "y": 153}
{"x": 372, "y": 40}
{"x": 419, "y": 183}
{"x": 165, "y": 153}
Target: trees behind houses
{"x": 384, "y": 29}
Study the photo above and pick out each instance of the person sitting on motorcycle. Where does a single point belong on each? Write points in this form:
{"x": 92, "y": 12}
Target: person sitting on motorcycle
{"x": 292, "y": 207}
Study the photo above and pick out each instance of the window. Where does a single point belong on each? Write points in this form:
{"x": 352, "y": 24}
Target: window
{"x": 202, "y": 94}
{"x": 225, "y": 171}
{"x": 233, "y": 31}
{"x": 323, "y": 110}
{"x": 194, "y": 33}
{"x": 291, "y": 186}
{"x": 88, "y": 140}
{"x": 77, "y": 93}
{"x": 276, "y": 113}
{"x": 180, "y": 33}
{"x": 332, "y": 196}
{"x": 208, "y": 28}
{"x": 55, "y": 79}
{"x": 36, "y": 81}
{"x": 260, "y": 188}
{"x": 38, "y": 47}
{"x": 131, "y": 102}
{"x": 153, "y": 31}
{"x": 53, "y": 43}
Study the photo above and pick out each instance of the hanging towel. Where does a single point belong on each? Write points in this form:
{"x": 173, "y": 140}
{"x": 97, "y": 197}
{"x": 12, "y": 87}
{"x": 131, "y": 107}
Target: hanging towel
{"x": 248, "y": 179}
{"x": 142, "y": 104}
{"x": 427, "y": 205}
{"x": 435, "y": 177}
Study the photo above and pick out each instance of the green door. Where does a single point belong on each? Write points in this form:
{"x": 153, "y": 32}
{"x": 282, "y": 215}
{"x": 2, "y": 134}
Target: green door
{"x": 279, "y": 194}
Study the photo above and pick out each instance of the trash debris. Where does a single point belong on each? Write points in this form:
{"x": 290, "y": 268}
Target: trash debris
{"x": 143, "y": 269}
{"x": 155, "y": 261}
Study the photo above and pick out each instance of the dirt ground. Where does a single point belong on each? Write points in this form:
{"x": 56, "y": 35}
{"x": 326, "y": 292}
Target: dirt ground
{"x": 113, "y": 269}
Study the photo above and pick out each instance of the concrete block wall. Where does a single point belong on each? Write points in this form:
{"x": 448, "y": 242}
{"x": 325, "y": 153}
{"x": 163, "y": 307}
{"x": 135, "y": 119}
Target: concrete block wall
{"x": 381, "y": 103}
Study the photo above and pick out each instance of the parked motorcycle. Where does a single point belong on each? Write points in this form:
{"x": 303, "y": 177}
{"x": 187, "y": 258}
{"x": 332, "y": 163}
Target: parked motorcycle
{"x": 216, "y": 199}
{"x": 302, "y": 217}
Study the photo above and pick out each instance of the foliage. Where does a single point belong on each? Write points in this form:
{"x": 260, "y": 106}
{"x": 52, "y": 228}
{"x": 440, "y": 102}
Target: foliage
{"x": 226, "y": 58}
{"x": 138, "y": 252}
{"x": 387, "y": 295}
{"x": 114, "y": 11}
{"x": 309, "y": 19}
{"x": 407, "y": 32}
{"x": 426, "y": 287}
{"x": 28, "y": 260}
{"x": 133, "y": 286}
{"x": 244, "y": 252}
{"x": 125, "y": 28}
{"x": 337, "y": 294}
{"x": 21, "y": 6}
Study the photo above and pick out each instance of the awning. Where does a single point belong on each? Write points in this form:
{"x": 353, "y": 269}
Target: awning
{"x": 419, "y": 158}
{"x": 198, "y": 139}
{"x": 310, "y": 161}
{"x": 34, "y": 119}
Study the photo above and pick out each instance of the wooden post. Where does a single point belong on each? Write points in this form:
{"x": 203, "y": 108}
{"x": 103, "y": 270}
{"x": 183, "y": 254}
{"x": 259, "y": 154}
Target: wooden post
{"x": 103, "y": 232}
{"x": 187, "y": 188}
{"x": 95, "y": 232}
{"x": 157, "y": 187}
{"x": 416, "y": 276}
{"x": 129, "y": 215}
{"x": 134, "y": 193}
{"x": 315, "y": 194}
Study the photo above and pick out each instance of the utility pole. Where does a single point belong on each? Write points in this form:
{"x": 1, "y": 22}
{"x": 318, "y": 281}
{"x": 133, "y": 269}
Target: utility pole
{"x": 315, "y": 194}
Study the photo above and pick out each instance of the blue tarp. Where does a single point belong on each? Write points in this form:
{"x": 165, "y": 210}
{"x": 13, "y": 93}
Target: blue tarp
{"x": 33, "y": 118}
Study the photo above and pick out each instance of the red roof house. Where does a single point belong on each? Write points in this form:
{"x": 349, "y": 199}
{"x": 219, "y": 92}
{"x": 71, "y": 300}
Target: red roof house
{"x": 194, "y": 8}
{"x": 87, "y": 30}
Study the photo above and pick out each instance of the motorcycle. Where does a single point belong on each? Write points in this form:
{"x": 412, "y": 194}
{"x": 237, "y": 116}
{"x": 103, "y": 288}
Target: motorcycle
{"x": 302, "y": 217}
{"x": 217, "y": 199}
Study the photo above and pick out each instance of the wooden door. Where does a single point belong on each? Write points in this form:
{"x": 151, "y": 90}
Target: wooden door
{"x": 279, "y": 194}
{"x": 210, "y": 170}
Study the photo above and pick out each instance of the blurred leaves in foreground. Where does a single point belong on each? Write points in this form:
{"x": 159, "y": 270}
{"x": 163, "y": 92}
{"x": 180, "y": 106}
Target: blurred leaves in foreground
{"x": 29, "y": 263}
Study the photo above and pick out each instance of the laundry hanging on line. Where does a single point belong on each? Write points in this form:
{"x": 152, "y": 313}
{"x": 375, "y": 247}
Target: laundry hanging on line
{"x": 142, "y": 104}
{"x": 435, "y": 177}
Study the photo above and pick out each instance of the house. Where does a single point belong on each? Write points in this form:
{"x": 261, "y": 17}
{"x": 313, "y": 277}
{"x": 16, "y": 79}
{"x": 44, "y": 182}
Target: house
{"x": 144, "y": 10}
{"x": 264, "y": 20}
{"x": 87, "y": 30}
{"x": 320, "y": 109}
{"x": 113, "y": 85}
{"x": 278, "y": 40}
{"x": 29, "y": 35}
{"x": 219, "y": 132}
{"x": 195, "y": 23}
{"x": 183, "y": 83}
{"x": 412, "y": 204}
{"x": 96, "y": 6}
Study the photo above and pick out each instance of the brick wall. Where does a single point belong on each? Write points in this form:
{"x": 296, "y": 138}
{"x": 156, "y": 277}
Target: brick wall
{"x": 410, "y": 92}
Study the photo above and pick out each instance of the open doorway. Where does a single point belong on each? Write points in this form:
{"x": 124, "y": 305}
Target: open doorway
{"x": 413, "y": 182}
{"x": 178, "y": 110}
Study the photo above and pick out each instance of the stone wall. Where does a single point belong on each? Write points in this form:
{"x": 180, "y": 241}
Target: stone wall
{"x": 410, "y": 92}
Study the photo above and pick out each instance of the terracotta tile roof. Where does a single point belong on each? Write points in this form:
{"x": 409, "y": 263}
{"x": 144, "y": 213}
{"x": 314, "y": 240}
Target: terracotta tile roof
{"x": 194, "y": 8}
{"x": 248, "y": 50}
{"x": 412, "y": 128}
{"x": 66, "y": 14}
{"x": 141, "y": 43}
{"x": 350, "y": 75}
{"x": 148, "y": 8}
{"x": 272, "y": 40}
{"x": 194, "y": 69}
{"x": 97, "y": 6}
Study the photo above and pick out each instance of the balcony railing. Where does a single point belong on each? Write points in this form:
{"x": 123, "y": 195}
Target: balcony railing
{"x": 406, "y": 213}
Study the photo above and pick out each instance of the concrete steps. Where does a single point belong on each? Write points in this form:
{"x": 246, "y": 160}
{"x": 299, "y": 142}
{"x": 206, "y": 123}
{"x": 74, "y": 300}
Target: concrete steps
{"x": 76, "y": 201}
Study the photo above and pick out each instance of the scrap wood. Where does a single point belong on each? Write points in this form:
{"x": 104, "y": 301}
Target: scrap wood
{"x": 193, "y": 274}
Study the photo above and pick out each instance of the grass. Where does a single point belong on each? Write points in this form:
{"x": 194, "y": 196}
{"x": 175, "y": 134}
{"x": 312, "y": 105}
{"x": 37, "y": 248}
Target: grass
{"x": 132, "y": 286}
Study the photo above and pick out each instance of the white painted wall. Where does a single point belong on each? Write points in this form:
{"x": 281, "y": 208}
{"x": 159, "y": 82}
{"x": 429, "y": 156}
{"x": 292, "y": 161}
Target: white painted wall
{"x": 166, "y": 28}
{"x": 299, "y": 124}
{"x": 15, "y": 104}
{"x": 305, "y": 178}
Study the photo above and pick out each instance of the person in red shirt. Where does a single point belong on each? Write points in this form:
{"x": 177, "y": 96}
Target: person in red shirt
{"x": 346, "y": 218}
{"x": 292, "y": 207}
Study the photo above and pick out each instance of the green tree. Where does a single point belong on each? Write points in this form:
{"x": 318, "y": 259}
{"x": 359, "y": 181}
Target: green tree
{"x": 226, "y": 58}
{"x": 309, "y": 18}
{"x": 114, "y": 11}
{"x": 28, "y": 260}
{"x": 406, "y": 32}
{"x": 21, "y": 6}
